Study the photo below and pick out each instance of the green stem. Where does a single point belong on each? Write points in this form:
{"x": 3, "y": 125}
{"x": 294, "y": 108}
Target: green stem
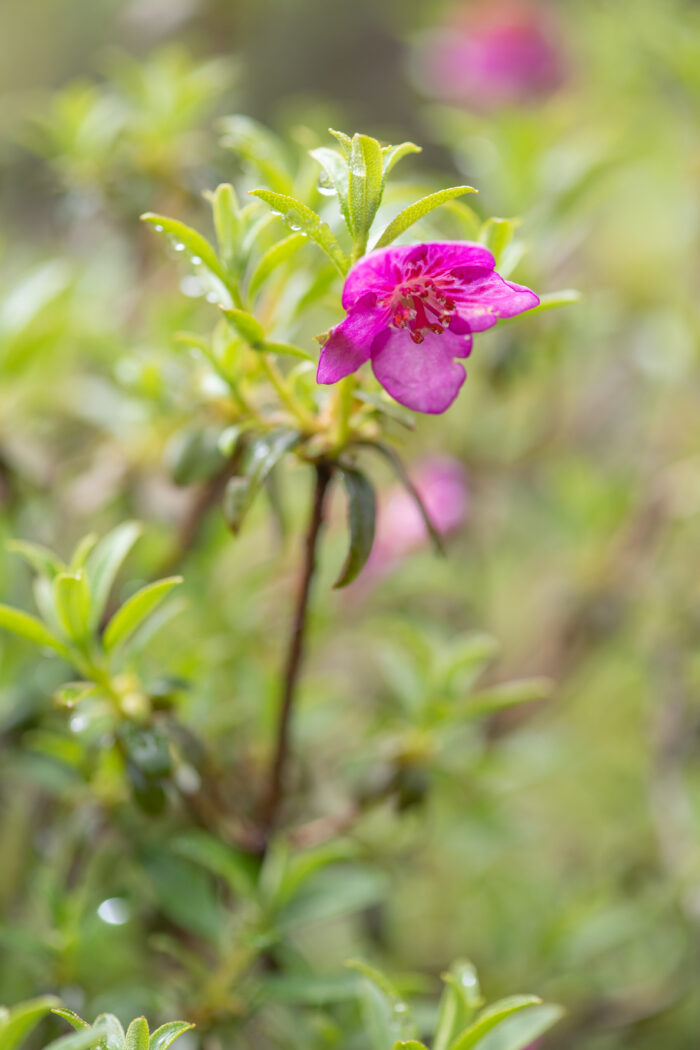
{"x": 294, "y": 405}
{"x": 345, "y": 393}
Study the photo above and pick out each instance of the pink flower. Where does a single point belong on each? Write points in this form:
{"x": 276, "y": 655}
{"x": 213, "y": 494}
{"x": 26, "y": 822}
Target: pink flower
{"x": 508, "y": 52}
{"x": 412, "y": 311}
{"x": 442, "y": 486}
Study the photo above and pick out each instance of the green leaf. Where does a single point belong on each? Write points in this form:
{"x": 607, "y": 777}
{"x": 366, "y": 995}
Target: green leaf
{"x": 237, "y": 868}
{"x": 113, "y": 1033}
{"x": 92, "y": 1035}
{"x": 137, "y": 1035}
{"x": 71, "y": 1017}
{"x": 416, "y": 211}
{"x": 257, "y": 145}
{"x": 20, "y": 1020}
{"x": 227, "y": 223}
{"x": 134, "y": 611}
{"x": 551, "y": 300}
{"x": 361, "y": 521}
{"x": 344, "y": 140}
{"x": 287, "y": 350}
{"x": 337, "y": 172}
{"x": 300, "y": 218}
{"x": 409, "y": 1044}
{"x": 330, "y": 894}
{"x": 460, "y": 1000}
{"x": 262, "y": 455}
{"x": 310, "y": 989}
{"x": 41, "y": 559}
{"x": 496, "y": 235}
{"x": 72, "y": 598}
{"x": 104, "y": 563}
{"x": 81, "y": 552}
{"x": 396, "y": 462}
{"x": 247, "y": 326}
{"x": 29, "y": 627}
{"x": 510, "y": 694}
{"x": 365, "y": 185}
{"x": 197, "y": 249}
{"x": 491, "y": 1017}
{"x": 164, "y": 1036}
{"x": 274, "y": 257}
{"x": 386, "y": 1016}
{"x": 522, "y": 1030}
{"x": 391, "y": 155}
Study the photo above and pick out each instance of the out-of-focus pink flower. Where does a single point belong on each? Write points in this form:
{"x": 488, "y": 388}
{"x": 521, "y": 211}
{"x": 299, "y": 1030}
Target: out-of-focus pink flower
{"x": 411, "y": 311}
{"x": 441, "y": 483}
{"x": 499, "y": 53}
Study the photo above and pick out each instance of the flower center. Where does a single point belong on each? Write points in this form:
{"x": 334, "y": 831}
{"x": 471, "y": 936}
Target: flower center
{"x": 420, "y": 304}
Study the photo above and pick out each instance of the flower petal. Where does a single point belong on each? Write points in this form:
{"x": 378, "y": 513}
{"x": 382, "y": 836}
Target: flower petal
{"x": 422, "y": 376}
{"x": 349, "y": 343}
{"x": 485, "y": 297}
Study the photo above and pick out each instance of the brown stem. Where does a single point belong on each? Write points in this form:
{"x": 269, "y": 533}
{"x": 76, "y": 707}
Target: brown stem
{"x": 274, "y": 792}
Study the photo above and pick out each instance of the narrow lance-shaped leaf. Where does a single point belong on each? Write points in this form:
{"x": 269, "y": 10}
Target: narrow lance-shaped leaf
{"x": 104, "y": 563}
{"x": 247, "y": 326}
{"x": 20, "y": 1020}
{"x": 509, "y": 694}
{"x": 386, "y": 1015}
{"x": 337, "y": 173}
{"x": 391, "y": 155}
{"x": 490, "y": 1018}
{"x": 26, "y": 626}
{"x": 197, "y": 249}
{"x": 227, "y": 223}
{"x": 459, "y": 1002}
{"x": 274, "y": 257}
{"x": 361, "y": 522}
{"x": 400, "y": 470}
{"x": 262, "y": 456}
{"x": 72, "y": 599}
{"x": 299, "y": 217}
{"x": 134, "y": 611}
{"x": 164, "y": 1036}
{"x": 41, "y": 559}
{"x": 416, "y": 211}
{"x": 137, "y": 1035}
{"x": 85, "y": 1039}
{"x": 496, "y": 234}
{"x": 71, "y": 1017}
{"x": 366, "y": 184}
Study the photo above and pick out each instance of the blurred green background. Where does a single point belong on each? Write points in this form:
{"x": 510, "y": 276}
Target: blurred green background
{"x": 557, "y": 845}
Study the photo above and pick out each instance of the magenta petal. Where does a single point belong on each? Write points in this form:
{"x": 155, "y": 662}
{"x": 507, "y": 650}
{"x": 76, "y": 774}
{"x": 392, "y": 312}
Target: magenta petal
{"x": 349, "y": 343}
{"x": 423, "y": 377}
{"x": 485, "y": 293}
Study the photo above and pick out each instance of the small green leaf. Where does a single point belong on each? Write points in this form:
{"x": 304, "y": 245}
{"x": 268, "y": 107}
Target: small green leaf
{"x": 496, "y": 235}
{"x": 523, "y": 1030}
{"x": 459, "y": 1002}
{"x": 409, "y": 1044}
{"x": 72, "y": 599}
{"x": 344, "y": 140}
{"x": 71, "y": 1017}
{"x": 551, "y": 300}
{"x": 196, "y": 248}
{"x": 227, "y": 223}
{"x": 261, "y": 456}
{"x": 365, "y": 186}
{"x": 247, "y": 326}
{"x": 137, "y": 1035}
{"x": 237, "y": 868}
{"x": 510, "y": 694}
{"x": 396, "y": 462}
{"x": 416, "y": 211}
{"x": 287, "y": 350}
{"x": 386, "y": 1015}
{"x": 491, "y": 1017}
{"x": 20, "y": 1020}
{"x": 134, "y": 611}
{"x": 81, "y": 552}
{"x": 300, "y": 218}
{"x": 257, "y": 145}
{"x": 164, "y": 1036}
{"x": 91, "y": 1036}
{"x": 310, "y": 989}
{"x": 113, "y": 1033}
{"x": 104, "y": 563}
{"x": 361, "y": 522}
{"x": 41, "y": 559}
{"x": 26, "y": 626}
{"x": 337, "y": 172}
{"x": 273, "y": 258}
{"x": 391, "y": 155}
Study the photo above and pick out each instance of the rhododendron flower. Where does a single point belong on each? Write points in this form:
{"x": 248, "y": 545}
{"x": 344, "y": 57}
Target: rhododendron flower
{"x": 411, "y": 311}
{"x": 504, "y": 52}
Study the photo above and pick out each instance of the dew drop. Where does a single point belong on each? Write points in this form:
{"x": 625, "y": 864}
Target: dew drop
{"x": 325, "y": 186}
{"x": 179, "y": 246}
{"x": 191, "y": 286}
{"x": 211, "y": 297}
{"x": 158, "y": 228}
{"x": 195, "y": 260}
{"x": 115, "y": 911}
